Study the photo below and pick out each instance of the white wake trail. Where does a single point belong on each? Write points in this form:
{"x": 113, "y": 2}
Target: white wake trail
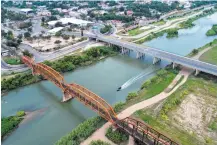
{"x": 134, "y": 79}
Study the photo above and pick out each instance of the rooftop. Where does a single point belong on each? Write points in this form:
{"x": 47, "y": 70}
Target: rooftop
{"x": 26, "y": 10}
{"x": 54, "y": 30}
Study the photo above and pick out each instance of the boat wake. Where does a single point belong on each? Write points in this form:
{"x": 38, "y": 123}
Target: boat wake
{"x": 132, "y": 80}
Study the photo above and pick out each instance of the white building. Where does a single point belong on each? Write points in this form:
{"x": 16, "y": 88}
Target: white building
{"x": 55, "y": 30}
{"x": 26, "y": 11}
{"x": 66, "y": 21}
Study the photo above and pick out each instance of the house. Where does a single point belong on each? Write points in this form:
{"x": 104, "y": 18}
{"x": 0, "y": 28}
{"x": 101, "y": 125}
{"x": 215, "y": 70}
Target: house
{"x": 129, "y": 13}
{"x": 55, "y": 30}
{"x": 44, "y": 13}
{"x": 26, "y": 11}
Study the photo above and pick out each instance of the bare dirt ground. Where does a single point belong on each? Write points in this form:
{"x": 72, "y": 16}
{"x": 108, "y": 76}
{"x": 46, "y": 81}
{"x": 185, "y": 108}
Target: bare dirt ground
{"x": 45, "y": 44}
{"x": 195, "y": 114}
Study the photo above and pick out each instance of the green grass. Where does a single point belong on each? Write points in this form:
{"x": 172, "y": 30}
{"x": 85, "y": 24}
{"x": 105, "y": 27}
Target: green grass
{"x": 161, "y": 120}
{"x": 150, "y": 88}
{"x": 212, "y": 31}
{"x": 81, "y": 132}
{"x": 12, "y": 61}
{"x": 210, "y": 56}
{"x": 8, "y": 124}
{"x": 137, "y": 31}
{"x": 161, "y": 22}
{"x": 213, "y": 125}
{"x": 116, "y": 136}
{"x": 210, "y": 44}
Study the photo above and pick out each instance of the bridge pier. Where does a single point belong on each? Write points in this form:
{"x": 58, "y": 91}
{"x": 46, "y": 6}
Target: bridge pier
{"x": 124, "y": 50}
{"x": 139, "y": 55}
{"x": 197, "y": 72}
{"x": 156, "y": 60}
{"x": 174, "y": 65}
{"x": 66, "y": 97}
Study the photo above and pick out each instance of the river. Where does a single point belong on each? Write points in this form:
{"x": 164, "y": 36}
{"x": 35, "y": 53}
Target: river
{"x": 103, "y": 78}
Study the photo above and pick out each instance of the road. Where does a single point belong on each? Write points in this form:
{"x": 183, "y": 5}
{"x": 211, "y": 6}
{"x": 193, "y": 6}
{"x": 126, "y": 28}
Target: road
{"x": 40, "y": 57}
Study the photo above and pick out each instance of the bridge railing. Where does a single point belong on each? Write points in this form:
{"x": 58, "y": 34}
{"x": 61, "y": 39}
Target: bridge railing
{"x": 144, "y": 132}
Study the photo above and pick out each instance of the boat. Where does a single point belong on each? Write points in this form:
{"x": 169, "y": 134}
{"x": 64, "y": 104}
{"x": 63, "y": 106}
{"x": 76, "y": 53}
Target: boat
{"x": 119, "y": 89}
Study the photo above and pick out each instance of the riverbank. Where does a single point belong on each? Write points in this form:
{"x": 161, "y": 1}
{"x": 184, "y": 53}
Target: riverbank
{"x": 9, "y": 124}
{"x": 120, "y": 106}
{"x": 68, "y": 63}
{"x": 212, "y": 31}
{"x": 176, "y": 116}
{"x": 173, "y": 32}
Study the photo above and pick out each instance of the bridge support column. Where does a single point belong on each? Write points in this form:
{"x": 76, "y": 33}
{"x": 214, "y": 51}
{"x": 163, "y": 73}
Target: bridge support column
{"x": 97, "y": 40}
{"x": 197, "y": 72}
{"x": 156, "y": 60}
{"x": 124, "y": 50}
{"x": 66, "y": 97}
{"x": 174, "y": 65}
{"x": 139, "y": 55}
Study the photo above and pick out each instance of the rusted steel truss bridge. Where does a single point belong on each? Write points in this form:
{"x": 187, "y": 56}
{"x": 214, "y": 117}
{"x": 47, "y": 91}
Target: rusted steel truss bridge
{"x": 137, "y": 129}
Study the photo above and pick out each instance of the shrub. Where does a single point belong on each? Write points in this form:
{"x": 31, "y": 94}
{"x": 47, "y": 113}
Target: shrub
{"x": 81, "y": 132}
{"x": 132, "y": 95}
{"x": 118, "y": 106}
{"x": 116, "y": 136}
{"x": 57, "y": 42}
{"x": 20, "y": 113}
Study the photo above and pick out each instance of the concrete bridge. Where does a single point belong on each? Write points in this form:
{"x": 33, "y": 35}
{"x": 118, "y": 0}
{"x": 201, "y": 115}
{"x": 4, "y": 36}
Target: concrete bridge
{"x": 157, "y": 54}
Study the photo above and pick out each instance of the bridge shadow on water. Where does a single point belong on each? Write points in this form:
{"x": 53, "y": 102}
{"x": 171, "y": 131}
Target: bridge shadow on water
{"x": 55, "y": 102}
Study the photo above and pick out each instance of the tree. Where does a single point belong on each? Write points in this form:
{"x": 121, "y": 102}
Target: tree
{"x": 10, "y": 35}
{"x": 121, "y": 9}
{"x": 12, "y": 43}
{"x": 43, "y": 19}
{"x": 59, "y": 33}
{"x": 66, "y": 37}
{"x": 3, "y": 33}
{"x": 73, "y": 37}
{"x": 83, "y": 16}
{"x": 27, "y": 53}
{"x": 57, "y": 42}
{"x": 19, "y": 41}
{"x": 27, "y": 34}
{"x": 20, "y": 36}
{"x": 195, "y": 51}
{"x": 29, "y": 29}
{"x": 58, "y": 24}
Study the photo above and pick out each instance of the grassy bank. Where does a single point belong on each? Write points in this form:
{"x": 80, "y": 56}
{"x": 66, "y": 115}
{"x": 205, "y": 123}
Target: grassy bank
{"x": 196, "y": 51}
{"x": 12, "y": 60}
{"x": 68, "y": 63}
{"x": 210, "y": 56}
{"x": 81, "y": 132}
{"x": 150, "y": 88}
{"x": 173, "y": 32}
{"x": 137, "y": 31}
{"x": 162, "y": 116}
{"x": 189, "y": 22}
{"x": 8, "y": 124}
{"x": 212, "y": 31}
